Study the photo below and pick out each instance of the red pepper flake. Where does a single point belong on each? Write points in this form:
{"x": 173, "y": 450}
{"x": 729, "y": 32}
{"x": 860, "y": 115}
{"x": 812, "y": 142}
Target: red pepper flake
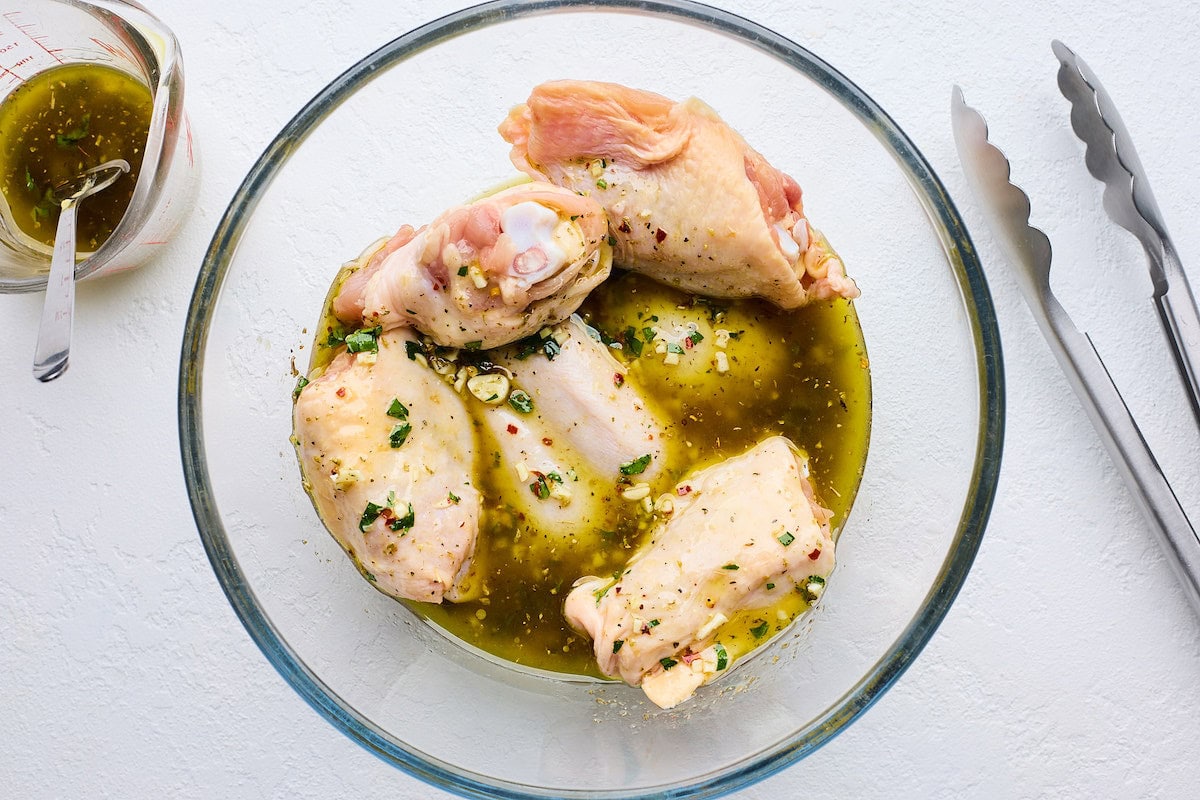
{"x": 546, "y": 440}
{"x": 511, "y": 428}
{"x": 659, "y": 235}
{"x": 688, "y": 656}
{"x": 540, "y": 489}
{"x": 815, "y": 554}
{"x": 341, "y": 392}
{"x": 687, "y": 343}
{"x": 624, "y": 226}
{"x": 618, "y": 380}
{"x": 683, "y": 490}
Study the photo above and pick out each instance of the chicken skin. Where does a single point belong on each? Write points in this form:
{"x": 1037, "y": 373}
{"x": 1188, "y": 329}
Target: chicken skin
{"x": 689, "y": 202}
{"x": 584, "y": 437}
{"x": 485, "y": 274}
{"x": 557, "y": 496}
{"x": 580, "y": 398}
{"x": 389, "y": 459}
{"x": 745, "y": 535}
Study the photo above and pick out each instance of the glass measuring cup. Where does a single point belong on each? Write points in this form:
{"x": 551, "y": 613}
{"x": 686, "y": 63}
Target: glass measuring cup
{"x": 36, "y": 35}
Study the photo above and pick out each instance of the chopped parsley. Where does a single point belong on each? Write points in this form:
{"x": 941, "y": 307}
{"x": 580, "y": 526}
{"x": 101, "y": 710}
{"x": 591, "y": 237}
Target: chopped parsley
{"x": 695, "y": 337}
{"x": 601, "y": 184}
{"x": 632, "y": 341}
{"x": 399, "y": 434}
{"x": 731, "y": 566}
{"x": 462, "y": 272}
{"x": 521, "y": 401}
{"x": 653, "y": 623}
{"x": 786, "y": 538}
{"x": 612, "y": 240}
{"x": 648, "y": 334}
{"x": 770, "y": 586}
{"x": 804, "y": 589}
{"x": 668, "y": 662}
{"x": 397, "y": 409}
{"x": 716, "y": 311}
{"x": 760, "y": 630}
{"x": 527, "y": 347}
{"x": 76, "y": 134}
{"x": 364, "y": 341}
{"x": 618, "y": 644}
{"x": 637, "y": 466}
{"x": 531, "y": 344}
{"x": 337, "y": 336}
{"x": 453, "y": 498}
{"x": 301, "y": 382}
{"x": 674, "y": 347}
{"x": 370, "y": 514}
{"x": 540, "y": 489}
{"x": 413, "y": 349}
{"x": 404, "y": 523}
{"x": 722, "y": 656}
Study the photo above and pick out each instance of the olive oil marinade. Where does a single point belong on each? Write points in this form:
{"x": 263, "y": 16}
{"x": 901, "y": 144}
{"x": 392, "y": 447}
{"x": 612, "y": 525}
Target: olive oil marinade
{"x": 803, "y": 374}
{"x": 59, "y": 123}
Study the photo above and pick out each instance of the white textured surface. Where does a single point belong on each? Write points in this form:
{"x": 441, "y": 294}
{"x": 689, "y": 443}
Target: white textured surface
{"x": 1068, "y": 667}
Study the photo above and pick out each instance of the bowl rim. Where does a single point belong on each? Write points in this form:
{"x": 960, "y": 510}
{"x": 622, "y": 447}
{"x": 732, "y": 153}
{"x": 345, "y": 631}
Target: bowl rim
{"x": 962, "y": 260}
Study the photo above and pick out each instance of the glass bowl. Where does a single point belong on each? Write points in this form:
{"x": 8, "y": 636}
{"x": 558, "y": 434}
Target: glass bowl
{"x": 410, "y": 130}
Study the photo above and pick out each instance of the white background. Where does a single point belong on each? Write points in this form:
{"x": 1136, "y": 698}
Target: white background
{"x": 1069, "y": 666}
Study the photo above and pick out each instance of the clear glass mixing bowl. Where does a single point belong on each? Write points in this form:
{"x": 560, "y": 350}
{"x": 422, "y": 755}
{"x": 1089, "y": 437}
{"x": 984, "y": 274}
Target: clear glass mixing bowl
{"x": 410, "y": 130}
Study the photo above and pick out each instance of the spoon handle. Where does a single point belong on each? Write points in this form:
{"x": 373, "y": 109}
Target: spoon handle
{"x": 58, "y": 313}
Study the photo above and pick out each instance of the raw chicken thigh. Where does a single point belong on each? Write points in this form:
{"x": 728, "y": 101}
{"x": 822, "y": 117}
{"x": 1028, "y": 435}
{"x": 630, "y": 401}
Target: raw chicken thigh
{"x": 546, "y": 481}
{"x": 388, "y": 455}
{"x": 485, "y": 274}
{"x": 581, "y": 398}
{"x": 689, "y": 202}
{"x": 744, "y": 534}
{"x": 586, "y": 438}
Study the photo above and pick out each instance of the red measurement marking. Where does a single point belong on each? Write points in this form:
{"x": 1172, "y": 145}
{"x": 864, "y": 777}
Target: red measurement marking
{"x": 112, "y": 49}
{"x": 30, "y": 32}
{"x": 25, "y": 29}
{"x": 187, "y": 126}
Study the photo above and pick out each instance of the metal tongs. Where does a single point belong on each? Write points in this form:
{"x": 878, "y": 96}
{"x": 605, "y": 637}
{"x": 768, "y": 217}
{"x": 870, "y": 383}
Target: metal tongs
{"x": 1111, "y": 158}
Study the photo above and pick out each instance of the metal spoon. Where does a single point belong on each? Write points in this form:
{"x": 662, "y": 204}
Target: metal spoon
{"x": 58, "y": 313}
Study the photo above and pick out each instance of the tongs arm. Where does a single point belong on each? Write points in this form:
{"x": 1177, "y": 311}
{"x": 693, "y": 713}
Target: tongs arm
{"x": 1128, "y": 200}
{"x": 1106, "y": 408}
{"x": 1177, "y": 310}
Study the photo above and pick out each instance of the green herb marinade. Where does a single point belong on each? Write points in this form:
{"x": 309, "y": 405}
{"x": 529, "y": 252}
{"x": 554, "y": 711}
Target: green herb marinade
{"x": 59, "y": 123}
{"x": 803, "y": 374}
